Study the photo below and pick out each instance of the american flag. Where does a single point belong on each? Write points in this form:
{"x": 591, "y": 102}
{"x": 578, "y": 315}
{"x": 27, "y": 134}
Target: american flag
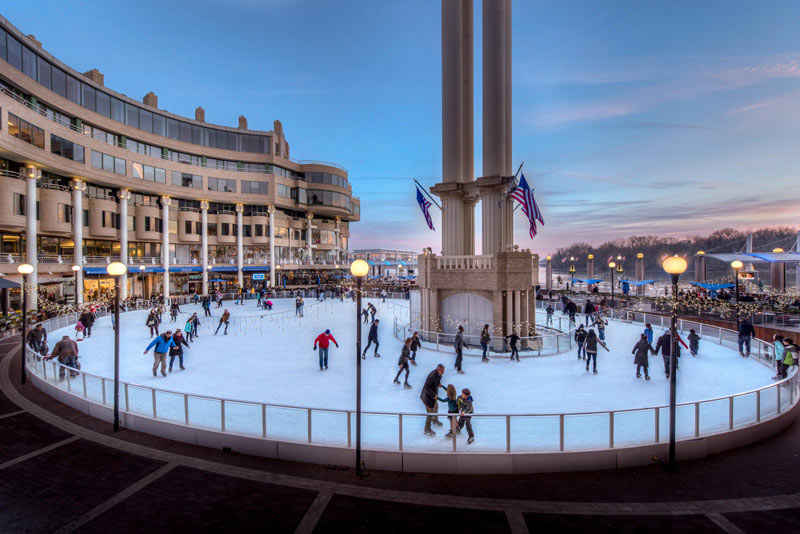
{"x": 524, "y": 196}
{"x": 424, "y": 204}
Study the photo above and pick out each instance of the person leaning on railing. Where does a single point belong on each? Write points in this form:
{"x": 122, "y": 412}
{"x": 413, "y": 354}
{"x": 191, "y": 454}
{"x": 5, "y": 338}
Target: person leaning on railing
{"x": 66, "y": 351}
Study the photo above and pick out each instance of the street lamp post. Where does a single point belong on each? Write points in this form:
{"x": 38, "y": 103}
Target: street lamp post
{"x": 25, "y": 269}
{"x": 141, "y": 279}
{"x": 674, "y": 266}
{"x": 116, "y": 269}
{"x": 75, "y": 269}
{"x": 737, "y": 265}
{"x": 611, "y": 266}
{"x": 572, "y": 272}
{"x": 359, "y": 270}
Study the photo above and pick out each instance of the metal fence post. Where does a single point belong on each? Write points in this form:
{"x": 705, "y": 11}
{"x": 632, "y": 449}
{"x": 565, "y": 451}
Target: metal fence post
{"x": 127, "y": 404}
{"x": 758, "y": 406}
{"x": 730, "y": 413}
{"x": 155, "y": 413}
{"x": 400, "y": 430}
{"x": 222, "y": 414}
{"x": 658, "y": 425}
{"x": 561, "y": 432}
{"x": 263, "y": 420}
{"x": 186, "y": 408}
{"x": 611, "y": 430}
{"x": 83, "y": 376}
{"x": 778, "y": 396}
{"x": 308, "y": 411}
{"x": 349, "y": 432}
{"x": 508, "y": 434}
{"x": 103, "y": 387}
{"x": 696, "y": 419}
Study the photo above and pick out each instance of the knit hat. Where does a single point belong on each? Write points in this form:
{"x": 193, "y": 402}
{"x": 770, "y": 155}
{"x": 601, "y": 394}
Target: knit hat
{"x": 327, "y": 331}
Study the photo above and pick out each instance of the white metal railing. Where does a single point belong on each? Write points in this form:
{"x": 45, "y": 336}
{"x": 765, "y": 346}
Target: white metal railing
{"x": 464, "y": 262}
{"x": 143, "y": 260}
{"x": 534, "y": 432}
{"x": 102, "y": 260}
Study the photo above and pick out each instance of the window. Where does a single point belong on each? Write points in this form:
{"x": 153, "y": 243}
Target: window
{"x": 221, "y": 184}
{"x": 73, "y": 89}
{"x": 66, "y": 149}
{"x": 19, "y": 204}
{"x": 103, "y": 104}
{"x": 284, "y": 191}
{"x": 107, "y": 162}
{"x": 145, "y": 120}
{"x": 212, "y": 229}
{"x": 15, "y": 53}
{"x": 147, "y": 224}
{"x": 255, "y": 188}
{"x": 131, "y": 115}
{"x": 149, "y": 173}
{"x": 29, "y": 62}
{"x": 159, "y": 226}
{"x": 131, "y": 223}
{"x": 247, "y": 231}
{"x": 187, "y": 227}
{"x": 88, "y": 96}
{"x": 26, "y": 131}
{"x": 259, "y": 230}
{"x": 59, "y": 82}
{"x": 45, "y": 73}
{"x": 183, "y": 179}
{"x": 117, "y": 110}
{"x": 198, "y": 228}
{"x": 86, "y": 217}
{"x": 224, "y": 229}
{"x": 64, "y": 213}
{"x": 173, "y": 226}
{"x": 158, "y": 124}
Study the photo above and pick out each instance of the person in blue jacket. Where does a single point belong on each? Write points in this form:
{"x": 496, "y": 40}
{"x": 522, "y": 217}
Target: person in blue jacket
{"x": 162, "y": 345}
{"x": 648, "y": 331}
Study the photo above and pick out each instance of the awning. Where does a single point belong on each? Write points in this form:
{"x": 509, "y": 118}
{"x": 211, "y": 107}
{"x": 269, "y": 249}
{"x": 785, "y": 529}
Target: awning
{"x": 712, "y": 287}
{"x": 257, "y": 268}
{"x": 638, "y": 282}
{"x": 757, "y": 257}
{"x": 7, "y": 284}
{"x": 589, "y": 280}
{"x": 225, "y": 269}
{"x": 371, "y": 262}
{"x": 185, "y": 269}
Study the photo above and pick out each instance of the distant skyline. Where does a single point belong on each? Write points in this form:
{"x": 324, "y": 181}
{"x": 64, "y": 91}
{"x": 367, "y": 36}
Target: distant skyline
{"x": 669, "y": 118}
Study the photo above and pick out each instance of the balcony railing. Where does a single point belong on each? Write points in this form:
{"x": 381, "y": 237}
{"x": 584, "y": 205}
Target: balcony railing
{"x": 465, "y": 263}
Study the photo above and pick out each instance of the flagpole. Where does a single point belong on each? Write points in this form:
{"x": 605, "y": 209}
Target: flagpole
{"x": 425, "y": 191}
{"x": 515, "y": 179}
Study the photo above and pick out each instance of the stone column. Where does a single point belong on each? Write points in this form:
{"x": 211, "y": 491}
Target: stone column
{"x": 309, "y": 218}
{"x": 77, "y": 229}
{"x": 590, "y": 266}
{"x": 497, "y": 214}
{"x": 271, "y": 246}
{"x": 640, "y": 272}
{"x": 239, "y": 245}
{"x": 31, "y": 245}
{"x": 336, "y": 234}
{"x": 518, "y": 312}
{"x": 548, "y": 273}
{"x": 165, "y": 203}
{"x": 124, "y": 196}
{"x": 509, "y": 312}
{"x": 204, "y": 243}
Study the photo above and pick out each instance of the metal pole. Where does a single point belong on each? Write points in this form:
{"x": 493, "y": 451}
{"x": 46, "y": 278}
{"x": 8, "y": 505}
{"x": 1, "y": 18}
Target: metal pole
{"x": 116, "y": 352}
{"x": 76, "y": 284}
{"x": 673, "y": 364}
{"x": 358, "y": 376}
{"x": 612, "y": 288}
{"x": 736, "y": 279}
{"x": 23, "y": 300}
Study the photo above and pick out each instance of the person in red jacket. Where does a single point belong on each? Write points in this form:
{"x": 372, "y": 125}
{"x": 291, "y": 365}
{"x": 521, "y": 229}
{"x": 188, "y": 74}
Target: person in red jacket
{"x": 323, "y": 341}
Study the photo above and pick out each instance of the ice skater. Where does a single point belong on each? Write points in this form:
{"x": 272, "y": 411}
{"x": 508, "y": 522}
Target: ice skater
{"x": 416, "y": 344}
{"x": 486, "y": 338}
{"x": 778, "y": 347}
{"x": 452, "y": 408}
{"x": 550, "y": 311}
{"x": 580, "y": 338}
{"x": 694, "y": 342}
{"x": 323, "y": 341}
{"x": 429, "y": 397}
{"x": 746, "y": 333}
{"x": 364, "y": 314}
{"x": 173, "y": 312}
{"x": 648, "y": 331}
{"x": 591, "y": 349}
{"x": 458, "y": 344}
{"x": 600, "y": 323}
{"x": 512, "y": 342}
{"x": 465, "y": 411}
{"x": 162, "y": 343}
{"x": 153, "y": 321}
{"x": 665, "y": 344}
{"x": 372, "y": 337}
{"x": 640, "y": 352}
{"x": 206, "y": 307}
{"x": 402, "y": 363}
{"x": 372, "y": 311}
{"x": 177, "y": 349}
{"x": 223, "y": 320}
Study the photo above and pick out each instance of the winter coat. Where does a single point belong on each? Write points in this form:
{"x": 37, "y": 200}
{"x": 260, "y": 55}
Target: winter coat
{"x": 64, "y": 349}
{"x": 178, "y": 341}
{"x": 789, "y": 356}
{"x": 665, "y": 344}
{"x": 459, "y": 342}
{"x": 373, "y": 333}
{"x": 591, "y": 344}
{"x": 649, "y": 333}
{"x": 324, "y": 340}
{"x": 152, "y": 320}
{"x": 571, "y": 308}
{"x": 161, "y": 344}
{"x": 694, "y": 341}
{"x": 485, "y": 337}
{"x": 224, "y": 318}
{"x": 512, "y": 339}
{"x": 430, "y": 388}
{"x": 746, "y": 329}
{"x": 37, "y": 336}
{"x": 465, "y": 405}
{"x": 416, "y": 344}
{"x": 640, "y": 351}
{"x": 405, "y": 356}
{"x": 580, "y": 335}
{"x": 87, "y": 318}
{"x": 452, "y": 404}
{"x": 588, "y": 309}
{"x": 779, "y": 349}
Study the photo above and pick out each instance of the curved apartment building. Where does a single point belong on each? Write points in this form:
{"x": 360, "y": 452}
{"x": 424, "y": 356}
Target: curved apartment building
{"x": 89, "y": 176}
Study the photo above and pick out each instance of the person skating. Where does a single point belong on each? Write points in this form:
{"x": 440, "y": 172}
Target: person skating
{"x": 601, "y": 324}
{"x": 640, "y": 352}
{"x": 383, "y": 296}
{"x": 746, "y": 333}
{"x": 790, "y": 357}
{"x": 152, "y": 322}
{"x": 550, "y": 311}
{"x": 429, "y": 397}
{"x": 512, "y": 342}
{"x": 66, "y": 351}
{"x": 37, "y": 337}
{"x": 206, "y": 306}
{"x": 364, "y": 314}
{"x": 778, "y": 347}
{"x": 177, "y": 350}
{"x": 402, "y": 363}
{"x": 223, "y": 320}
{"x": 571, "y": 309}
{"x": 372, "y": 337}
{"x": 589, "y": 311}
{"x": 323, "y": 341}
{"x": 486, "y": 338}
{"x": 465, "y": 411}
{"x": 372, "y": 311}
{"x": 162, "y": 343}
{"x": 648, "y": 331}
{"x": 591, "y": 349}
{"x": 694, "y": 342}
{"x": 665, "y": 344}
{"x": 87, "y": 320}
{"x": 189, "y": 329}
{"x": 580, "y": 338}
{"x": 416, "y": 344}
{"x": 458, "y": 344}
{"x": 268, "y": 304}
{"x": 174, "y": 310}
{"x": 452, "y": 408}
{"x": 301, "y": 307}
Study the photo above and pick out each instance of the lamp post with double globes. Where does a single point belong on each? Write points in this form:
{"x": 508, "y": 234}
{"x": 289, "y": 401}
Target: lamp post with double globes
{"x": 25, "y": 269}
{"x": 117, "y": 270}
{"x": 611, "y": 266}
{"x": 737, "y": 266}
{"x": 359, "y": 269}
{"x": 75, "y": 269}
{"x": 572, "y": 272}
{"x": 675, "y": 266}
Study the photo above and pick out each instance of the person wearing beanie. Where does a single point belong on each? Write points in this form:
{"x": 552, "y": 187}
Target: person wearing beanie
{"x": 323, "y": 341}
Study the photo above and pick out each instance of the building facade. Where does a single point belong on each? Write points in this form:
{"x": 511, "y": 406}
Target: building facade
{"x": 387, "y": 263}
{"x": 89, "y": 176}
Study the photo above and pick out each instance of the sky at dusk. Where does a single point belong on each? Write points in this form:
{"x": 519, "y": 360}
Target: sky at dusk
{"x": 670, "y": 118}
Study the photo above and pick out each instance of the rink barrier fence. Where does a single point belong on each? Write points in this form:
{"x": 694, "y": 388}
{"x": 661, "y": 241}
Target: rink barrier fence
{"x": 770, "y": 402}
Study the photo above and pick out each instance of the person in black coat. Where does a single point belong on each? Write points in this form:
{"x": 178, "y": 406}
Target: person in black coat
{"x": 177, "y": 350}
{"x": 87, "y": 320}
{"x": 372, "y": 337}
{"x": 402, "y": 363}
{"x": 572, "y": 309}
{"x": 429, "y": 397}
{"x": 580, "y": 337}
{"x": 640, "y": 352}
{"x": 665, "y": 344}
{"x": 746, "y": 333}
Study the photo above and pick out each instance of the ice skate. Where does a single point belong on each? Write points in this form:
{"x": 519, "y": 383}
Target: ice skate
{"x": 396, "y": 381}
{"x": 449, "y": 434}
{"x": 470, "y": 440}
{"x": 647, "y": 377}
{"x": 170, "y": 369}
{"x": 460, "y": 372}
{"x": 183, "y": 368}
{"x": 638, "y": 375}
{"x": 407, "y": 385}
{"x": 438, "y": 423}
{"x": 430, "y": 433}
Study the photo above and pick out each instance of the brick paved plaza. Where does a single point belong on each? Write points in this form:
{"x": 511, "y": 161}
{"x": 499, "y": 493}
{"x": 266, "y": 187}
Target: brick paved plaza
{"x": 63, "y": 471}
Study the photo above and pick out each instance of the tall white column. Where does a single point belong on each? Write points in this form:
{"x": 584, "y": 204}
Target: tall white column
{"x": 77, "y": 229}
{"x": 239, "y": 245}
{"x": 124, "y": 196}
{"x": 165, "y": 202}
{"x": 204, "y": 243}
{"x": 336, "y": 235}
{"x": 309, "y": 218}
{"x": 272, "y": 246}
{"x": 31, "y": 255}
{"x": 797, "y": 268}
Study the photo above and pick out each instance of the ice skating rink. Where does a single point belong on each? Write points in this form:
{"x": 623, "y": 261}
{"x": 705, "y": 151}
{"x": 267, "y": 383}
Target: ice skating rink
{"x": 268, "y": 357}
